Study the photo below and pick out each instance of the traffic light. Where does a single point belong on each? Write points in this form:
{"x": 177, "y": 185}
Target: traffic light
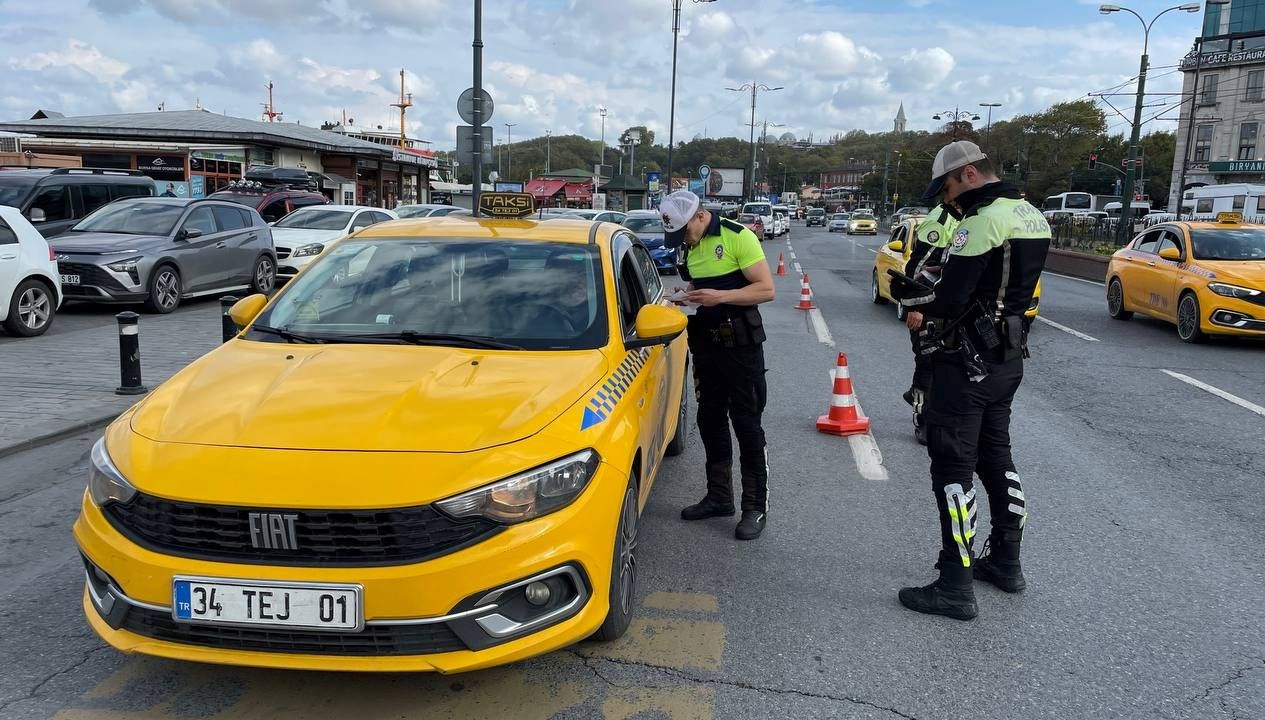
{"x": 1093, "y": 161}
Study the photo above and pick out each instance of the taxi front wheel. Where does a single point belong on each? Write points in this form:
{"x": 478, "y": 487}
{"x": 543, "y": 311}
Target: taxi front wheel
{"x": 1188, "y": 319}
{"x": 876, "y": 297}
{"x": 623, "y": 586}
{"x": 1115, "y": 301}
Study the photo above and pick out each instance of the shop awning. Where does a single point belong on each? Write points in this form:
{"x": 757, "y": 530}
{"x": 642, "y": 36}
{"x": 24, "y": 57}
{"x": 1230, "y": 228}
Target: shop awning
{"x": 330, "y": 181}
{"x": 579, "y": 191}
{"x": 544, "y": 189}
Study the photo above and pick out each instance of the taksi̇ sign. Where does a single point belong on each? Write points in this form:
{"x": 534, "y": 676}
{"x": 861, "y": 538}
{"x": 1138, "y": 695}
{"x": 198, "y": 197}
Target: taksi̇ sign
{"x": 506, "y": 204}
{"x": 1237, "y": 166}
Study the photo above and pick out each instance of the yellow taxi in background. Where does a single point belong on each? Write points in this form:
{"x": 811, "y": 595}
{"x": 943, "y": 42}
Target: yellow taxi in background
{"x": 429, "y": 451}
{"x": 862, "y": 223}
{"x": 894, "y": 254}
{"x": 1207, "y": 278}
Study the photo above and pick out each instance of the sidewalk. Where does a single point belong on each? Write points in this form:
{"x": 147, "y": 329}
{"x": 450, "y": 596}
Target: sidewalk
{"x": 60, "y": 383}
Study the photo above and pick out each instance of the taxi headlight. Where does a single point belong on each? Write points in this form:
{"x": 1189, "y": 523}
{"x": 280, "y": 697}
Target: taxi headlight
{"x": 105, "y": 483}
{"x": 309, "y": 249}
{"x": 1234, "y": 291}
{"x": 527, "y": 495}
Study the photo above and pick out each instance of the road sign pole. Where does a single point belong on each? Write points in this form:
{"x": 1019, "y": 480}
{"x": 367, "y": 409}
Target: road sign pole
{"x": 477, "y": 135}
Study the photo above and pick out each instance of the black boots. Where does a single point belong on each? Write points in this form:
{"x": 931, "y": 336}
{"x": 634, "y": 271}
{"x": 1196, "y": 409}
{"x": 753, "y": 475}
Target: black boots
{"x": 707, "y": 508}
{"x": 751, "y": 525}
{"x": 999, "y": 562}
{"x": 950, "y": 595}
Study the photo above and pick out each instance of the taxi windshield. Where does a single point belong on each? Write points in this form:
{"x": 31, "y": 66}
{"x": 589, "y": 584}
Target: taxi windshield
{"x": 862, "y": 216}
{"x": 498, "y": 294}
{"x": 1242, "y": 243}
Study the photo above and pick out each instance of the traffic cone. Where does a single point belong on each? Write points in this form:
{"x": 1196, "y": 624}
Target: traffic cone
{"x": 843, "y": 418}
{"x": 805, "y": 295}
{"x": 781, "y": 265}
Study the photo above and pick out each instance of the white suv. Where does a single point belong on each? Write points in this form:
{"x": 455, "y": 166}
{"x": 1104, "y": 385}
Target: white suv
{"x": 30, "y": 288}
{"x": 765, "y": 211}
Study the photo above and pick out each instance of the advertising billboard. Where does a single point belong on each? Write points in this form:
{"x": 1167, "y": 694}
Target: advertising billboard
{"x": 726, "y": 182}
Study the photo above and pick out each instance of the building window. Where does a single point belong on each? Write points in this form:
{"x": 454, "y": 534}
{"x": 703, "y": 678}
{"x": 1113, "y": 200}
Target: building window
{"x": 1203, "y": 143}
{"x": 1209, "y": 93}
{"x": 1247, "y": 16}
{"x": 1247, "y": 141}
{"x": 1255, "y": 85}
{"x": 1212, "y": 20}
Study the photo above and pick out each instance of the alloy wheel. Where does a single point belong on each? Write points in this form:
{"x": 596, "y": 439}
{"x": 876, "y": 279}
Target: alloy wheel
{"x": 34, "y": 308}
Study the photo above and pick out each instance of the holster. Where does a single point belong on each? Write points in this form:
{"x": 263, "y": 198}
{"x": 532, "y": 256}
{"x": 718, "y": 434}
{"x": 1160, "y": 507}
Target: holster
{"x": 1014, "y": 337}
{"x": 741, "y": 327}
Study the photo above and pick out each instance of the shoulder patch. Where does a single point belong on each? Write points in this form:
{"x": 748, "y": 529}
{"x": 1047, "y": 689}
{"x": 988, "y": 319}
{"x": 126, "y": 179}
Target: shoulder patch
{"x": 959, "y": 239}
{"x": 933, "y": 236}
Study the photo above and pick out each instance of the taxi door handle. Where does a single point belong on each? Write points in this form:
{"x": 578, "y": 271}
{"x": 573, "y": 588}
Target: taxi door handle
{"x": 8, "y": 257}
{"x": 1151, "y": 263}
{"x": 221, "y": 244}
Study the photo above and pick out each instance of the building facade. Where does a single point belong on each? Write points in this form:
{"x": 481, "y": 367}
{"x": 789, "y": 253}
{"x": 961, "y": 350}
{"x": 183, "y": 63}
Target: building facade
{"x": 1221, "y": 131}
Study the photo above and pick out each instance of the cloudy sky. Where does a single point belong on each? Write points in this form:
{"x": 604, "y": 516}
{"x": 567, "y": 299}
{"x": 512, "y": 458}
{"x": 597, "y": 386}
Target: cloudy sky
{"x": 549, "y": 64}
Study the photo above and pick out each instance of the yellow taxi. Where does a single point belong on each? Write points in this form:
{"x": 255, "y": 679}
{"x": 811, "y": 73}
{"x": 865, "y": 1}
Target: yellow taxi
{"x": 1207, "y": 278}
{"x": 862, "y": 223}
{"x": 429, "y": 451}
{"x": 894, "y": 255}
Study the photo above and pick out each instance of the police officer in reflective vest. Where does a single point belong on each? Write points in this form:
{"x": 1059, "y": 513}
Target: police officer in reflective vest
{"x": 931, "y": 240}
{"x": 994, "y": 261}
{"x": 729, "y": 277}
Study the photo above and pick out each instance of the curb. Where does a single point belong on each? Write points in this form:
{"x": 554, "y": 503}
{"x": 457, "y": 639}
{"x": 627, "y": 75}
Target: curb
{"x": 59, "y": 434}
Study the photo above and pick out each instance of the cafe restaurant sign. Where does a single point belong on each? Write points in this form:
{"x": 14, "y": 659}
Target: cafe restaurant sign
{"x": 1237, "y": 166}
{"x": 1218, "y": 59}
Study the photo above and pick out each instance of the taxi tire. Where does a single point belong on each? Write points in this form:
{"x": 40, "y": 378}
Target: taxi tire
{"x": 1189, "y": 304}
{"x": 623, "y": 585}
{"x": 1115, "y": 301}
{"x": 875, "y": 296}
{"x": 676, "y": 445}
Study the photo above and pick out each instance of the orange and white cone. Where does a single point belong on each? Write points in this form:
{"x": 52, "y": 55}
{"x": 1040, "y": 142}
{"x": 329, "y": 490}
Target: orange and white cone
{"x": 781, "y": 266}
{"x": 805, "y": 295}
{"x": 843, "y": 418}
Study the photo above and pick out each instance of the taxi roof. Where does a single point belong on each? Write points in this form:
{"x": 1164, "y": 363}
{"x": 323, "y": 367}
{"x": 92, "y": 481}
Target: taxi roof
{"x": 564, "y": 230}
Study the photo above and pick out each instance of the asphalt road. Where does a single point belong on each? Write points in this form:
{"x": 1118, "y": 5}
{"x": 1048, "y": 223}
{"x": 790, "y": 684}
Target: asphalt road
{"x": 1144, "y": 556}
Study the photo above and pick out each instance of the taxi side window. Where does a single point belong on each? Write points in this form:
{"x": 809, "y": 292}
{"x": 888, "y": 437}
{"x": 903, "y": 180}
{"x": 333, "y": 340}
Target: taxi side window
{"x": 1149, "y": 242}
{"x": 631, "y": 293}
{"x": 1170, "y": 241}
{"x": 650, "y": 282}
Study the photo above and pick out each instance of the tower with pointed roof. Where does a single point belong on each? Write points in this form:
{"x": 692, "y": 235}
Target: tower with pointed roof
{"x": 899, "y": 124}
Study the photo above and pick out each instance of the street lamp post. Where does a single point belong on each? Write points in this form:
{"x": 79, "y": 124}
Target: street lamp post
{"x": 548, "y": 149}
{"x": 602, "y": 111}
{"x": 676, "y": 29}
{"x": 509, "y": 150}
{"x": 988, "y": 128}
{"x": 754, "y": 87}
{"x": 957, "y": 116}
{"x": 1126, "y": 201}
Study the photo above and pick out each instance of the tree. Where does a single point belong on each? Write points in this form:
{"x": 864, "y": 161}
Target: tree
{"x": 645, "y": 135}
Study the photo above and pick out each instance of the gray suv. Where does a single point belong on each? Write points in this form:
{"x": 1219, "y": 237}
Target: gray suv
{"x": 54, "y": 200}
{"x": 159, "y": 250}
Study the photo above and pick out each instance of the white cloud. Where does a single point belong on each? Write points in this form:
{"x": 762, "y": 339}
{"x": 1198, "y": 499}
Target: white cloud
{"x": 77, "y": 54}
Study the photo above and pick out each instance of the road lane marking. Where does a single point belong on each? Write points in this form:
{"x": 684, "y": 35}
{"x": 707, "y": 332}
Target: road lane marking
{"x": 798, "y": 270}
{"x": 1246, "y": 405}
{"x": 872, "y": 250}
{"x": 820, "y": 327}
{"x": 865, "y": 452}
{"x": 1069, "y": 277}
{"x": 1068, "y": 330}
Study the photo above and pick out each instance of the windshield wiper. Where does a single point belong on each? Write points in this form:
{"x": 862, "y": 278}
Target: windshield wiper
{"x": 416, "y": 338}
{"x": 289, "y": 336}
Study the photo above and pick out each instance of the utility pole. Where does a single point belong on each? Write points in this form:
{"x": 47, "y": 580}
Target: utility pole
{"x": 476, "y": 135}
{"x": 602, "y": 111}
{"x": 402, "y": 104}
{"x": 509, "y": 149}
{"x": 754, "y": 87}
{"x": 548, "y": 149}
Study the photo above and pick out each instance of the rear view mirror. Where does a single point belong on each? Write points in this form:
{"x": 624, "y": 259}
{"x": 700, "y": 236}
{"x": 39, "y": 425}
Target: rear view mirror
{"x": 896, "y": 246}
{"x": 245, "y": 311}
{"x": 358, "y": 228}
{"x": 1171, "y": 253}
{"x": 656, "y": 325}
{"x": 38, "y": 215}
{"x": 188, "y": 234}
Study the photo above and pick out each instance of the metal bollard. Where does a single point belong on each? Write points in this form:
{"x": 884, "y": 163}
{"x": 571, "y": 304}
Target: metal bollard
{"x": 228, "y": 328}
{"x": 130, "y": 355}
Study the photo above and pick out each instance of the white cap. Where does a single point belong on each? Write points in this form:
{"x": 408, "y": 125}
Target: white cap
{"x": 676, "y": 211}
{"x": 951, "y": 157}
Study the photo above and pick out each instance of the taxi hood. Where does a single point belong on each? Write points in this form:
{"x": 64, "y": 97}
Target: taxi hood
{"x": 365, "y": 397}
{"x": 1250, "y": 273}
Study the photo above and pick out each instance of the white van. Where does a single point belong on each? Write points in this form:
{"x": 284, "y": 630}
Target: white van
{"x": 1205, "y": 202}
{"x": 765, "y": 211}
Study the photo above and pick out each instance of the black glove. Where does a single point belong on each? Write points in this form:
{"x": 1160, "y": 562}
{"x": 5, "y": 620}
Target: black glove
{"x": 909, "y": 291}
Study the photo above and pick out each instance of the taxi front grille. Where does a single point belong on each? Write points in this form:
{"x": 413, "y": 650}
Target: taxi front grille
{"x": 374, "y": 640}
{"x": 327, "y": 538}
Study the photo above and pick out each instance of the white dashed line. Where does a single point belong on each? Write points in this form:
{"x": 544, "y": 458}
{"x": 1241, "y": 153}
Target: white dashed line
{"x": 798, "y": 270}
{"x": 1249, "y": 406}
{"x": 873, "y": 250}
{"x": 1068, "y": 330}
{"x": 865, "y": 452}
{"x": 1069, "y": 277}
{"x": 819, "y": 325}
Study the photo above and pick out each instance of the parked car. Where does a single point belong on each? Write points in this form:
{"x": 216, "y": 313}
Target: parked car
{"x": 862, "y": 224}
{"x": 429, "y": 475}
{"x": 305, "y": 233}
{"x": 647, "y": 225}
{"x": 598, "y": 215}
{"x": 839, "y": 222}
{"x": 782, "y": 216}
{"x": 418, "y": 210}
{"x": 30, "y": 287}
{"x": 272, "y": 202}
{"x": 815, "y": 217}
{"x": 162, "y": 250}
{"x": 753, "y": 223}
{"x": 54, "y": 200}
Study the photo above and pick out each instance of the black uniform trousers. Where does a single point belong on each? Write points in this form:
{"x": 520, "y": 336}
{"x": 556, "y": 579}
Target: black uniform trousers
{"x": 729, "y": 385}
{"x": 968, "y": 433}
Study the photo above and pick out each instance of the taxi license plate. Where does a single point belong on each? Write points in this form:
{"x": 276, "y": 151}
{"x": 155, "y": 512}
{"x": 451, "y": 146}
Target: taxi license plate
{"x": 69, "y": 279}
{"x": 312, "y": 606}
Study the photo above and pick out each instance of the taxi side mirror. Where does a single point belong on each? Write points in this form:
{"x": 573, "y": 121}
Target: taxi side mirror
{"x": 1171, "y": 253}
{"x": 896, "y": 246}
{"x": 656, "y": 325}
{"x": 245, "y": 311}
